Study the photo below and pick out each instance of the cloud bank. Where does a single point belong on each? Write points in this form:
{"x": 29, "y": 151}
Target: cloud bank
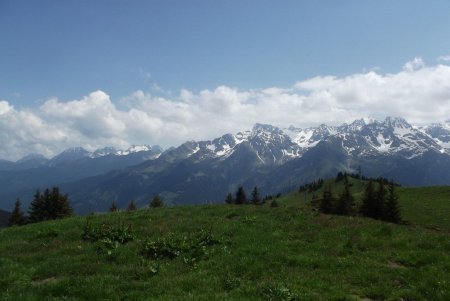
{"x": 419, "y": 93}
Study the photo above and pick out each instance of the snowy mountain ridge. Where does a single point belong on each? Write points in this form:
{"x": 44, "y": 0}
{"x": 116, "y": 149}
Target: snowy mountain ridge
{"x": 76, "y": 153}
{"x": 364, "y": 138}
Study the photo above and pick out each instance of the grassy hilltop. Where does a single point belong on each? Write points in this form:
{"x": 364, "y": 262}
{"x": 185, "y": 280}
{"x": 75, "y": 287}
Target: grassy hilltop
{"x": 231, "y": 252}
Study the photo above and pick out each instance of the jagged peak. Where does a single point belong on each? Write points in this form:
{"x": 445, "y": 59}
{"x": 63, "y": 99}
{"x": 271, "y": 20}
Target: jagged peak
{"x": 260, "y": 127}
{"x": 107, "y": 150}
{"x": 75, "y": 149}
{"x": 397, "y": 122}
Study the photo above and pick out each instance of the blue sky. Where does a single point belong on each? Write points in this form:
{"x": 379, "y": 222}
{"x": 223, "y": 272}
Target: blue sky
{"x": 97, "y": 73}
{"x": 70, "y": 48}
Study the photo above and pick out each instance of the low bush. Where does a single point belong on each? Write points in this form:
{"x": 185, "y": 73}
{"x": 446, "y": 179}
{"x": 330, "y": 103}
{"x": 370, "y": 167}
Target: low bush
{"x": 119, "y": 233}
{"x": 192, "y": 247}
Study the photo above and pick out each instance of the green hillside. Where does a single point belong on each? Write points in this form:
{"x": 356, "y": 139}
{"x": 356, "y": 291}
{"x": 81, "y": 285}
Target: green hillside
{"x": 231, "y": 252}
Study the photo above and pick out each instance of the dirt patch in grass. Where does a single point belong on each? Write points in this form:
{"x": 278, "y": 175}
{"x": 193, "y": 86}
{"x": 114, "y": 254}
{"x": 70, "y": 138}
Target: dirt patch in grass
{"x": 50, "y": 280}
{"x": 396, "y": 265}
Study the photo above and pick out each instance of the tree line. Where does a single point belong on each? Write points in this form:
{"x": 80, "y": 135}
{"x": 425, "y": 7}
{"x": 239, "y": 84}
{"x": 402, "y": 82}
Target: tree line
{"x": 52, "y": 204}
{"x": 155, "y": 202}
{"x": 311, "y": 186}
{"x": 240, "y": 198}
{"x": 342, "y": 175}
{"x": 48, "y": 205}
{"x": 377, "y": 203}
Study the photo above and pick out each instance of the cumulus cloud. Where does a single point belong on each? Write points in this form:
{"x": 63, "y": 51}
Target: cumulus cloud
{"x": 415, "y": 64}
{"x": 444, "y": 58}
{"x": 419, "y": 93}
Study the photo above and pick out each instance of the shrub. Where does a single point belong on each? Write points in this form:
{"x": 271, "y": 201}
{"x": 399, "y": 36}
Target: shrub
{"x": 192, "y": 247}
{"x": 279, "y": 293}
{"x": 156, "y": 202}
{"x": 119, "y": 233}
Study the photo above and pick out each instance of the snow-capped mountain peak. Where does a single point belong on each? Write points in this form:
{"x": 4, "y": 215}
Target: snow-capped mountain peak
{"x": 134, "y": 149}
{"x": 397, "y": 122}
{"x": 364, "y": 137}
{"x": 368, "y": 137}
{"x": 68, "y": 155}
{"x": 76, "y": 153}
{"x": 100, "y": 152}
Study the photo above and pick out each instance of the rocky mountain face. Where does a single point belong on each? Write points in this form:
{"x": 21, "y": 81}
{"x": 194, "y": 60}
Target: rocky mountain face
{"x": 274, "y": 159}
{"x": 365, "y": 138}
{"x": 440, "y": 132}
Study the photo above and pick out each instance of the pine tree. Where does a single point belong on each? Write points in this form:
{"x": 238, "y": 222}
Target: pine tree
{"x": 241, "y": 198}
{"x": 229, "y": 199}
{"x": 256, "y": 200}
{"x": 339, "y": 177}
{"x": 344, "y": 205}
{"x": 47, "y": 210}
{"x": 380, "y": 199}
{"x": 368, "y": 207}
{"x": 156, "y": 202}
{"x": 113, "y": 207}
{"x": 59, "y": 205}
{"x": 391, "y": 212}
{"x": 36, "y": 210}
{"x": 131, "y": 206}
{"x": 49, "y": 205}
{"x": 327, "y": 201}
{"x": 17, "y": 218}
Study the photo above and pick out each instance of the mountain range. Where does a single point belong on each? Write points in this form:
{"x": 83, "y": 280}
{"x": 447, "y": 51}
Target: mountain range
{"x": 274, "y": 159}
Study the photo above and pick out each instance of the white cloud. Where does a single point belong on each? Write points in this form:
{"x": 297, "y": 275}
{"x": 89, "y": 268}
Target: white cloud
{"x": 5, "y": 107}
{"x": 444, "y": 58}
{"x": 418, "y": 93}
{"x": 415, "y": 64}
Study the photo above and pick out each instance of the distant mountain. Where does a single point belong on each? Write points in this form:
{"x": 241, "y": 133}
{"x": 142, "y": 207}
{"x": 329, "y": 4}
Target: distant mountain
{"x": 74, "y": 154}
{"x": 365, "y": 137}
{"x": 70, "y": 165}
{"x": 274, "y": 159}
{"x": 440, "y": 132}
{"x": 27, "y": 162}
{"x": 77, "y": 153}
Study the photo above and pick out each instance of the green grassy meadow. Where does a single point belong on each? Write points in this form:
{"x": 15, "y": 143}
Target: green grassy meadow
{"x": 231, "y": 252}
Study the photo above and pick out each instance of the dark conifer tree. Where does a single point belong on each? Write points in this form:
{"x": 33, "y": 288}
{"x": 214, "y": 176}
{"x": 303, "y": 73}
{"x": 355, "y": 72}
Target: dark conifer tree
{"x": 327, "y": 202}
{"x": 241, "y": 198}
{"x": 47, "y": 209}
{"x": 229, "y": 199}
{"x": 113, "y": 207}
{"x": 131, "y": 206}
{"x": 391, "y": 212}
{"x": 380, "y": 199}
{"x": 156, "y": 202}
{"x": 49, "y": 205}
{"x": 17, "y": 218}
{"x": 274, "y": 203}
{"x": 339, "y": 177}
{"x": 36, "y": 210}
{"x": 59, "y": 205}
{"x": 256, "y": 200}
{"x": 345, "y": 203}
{"x": 368, "y": 207}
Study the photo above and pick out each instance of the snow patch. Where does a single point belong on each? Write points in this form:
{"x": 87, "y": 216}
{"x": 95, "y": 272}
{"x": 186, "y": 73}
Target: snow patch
{"x": 211, "y": 147}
